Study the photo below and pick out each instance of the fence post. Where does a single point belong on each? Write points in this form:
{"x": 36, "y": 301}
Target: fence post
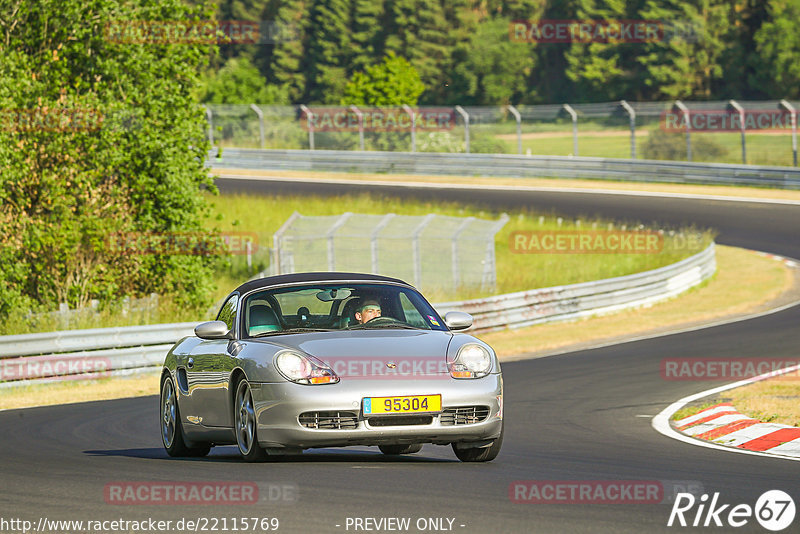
{"x": 413, "y": 116}
{"x": 260, "y": 123}
{"x": 518, "y": 118}
{"x": 210, "y": 119}
{"x": 310, "y": 122}
{"x": 454, "y": 250}
{"x": 331, "y": 251}
{"x": 373, "y": 239}
{"x": 632, "y": 116}
{"x": 276, "y": 241}
{"x": 490, "y": 267}
{"x": 793, "y": 118}
{"x": 685, "y": 110}
{"x": 415, "y": 252}
{"x": 465, "y": 116}
{"x": 739, "y": 109}
{"x": 574, "y": 116}
{"x": 360, "y": 126}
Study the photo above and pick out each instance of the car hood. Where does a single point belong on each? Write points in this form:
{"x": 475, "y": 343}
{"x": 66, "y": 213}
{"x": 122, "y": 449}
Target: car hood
{"x": 365, "y": 352}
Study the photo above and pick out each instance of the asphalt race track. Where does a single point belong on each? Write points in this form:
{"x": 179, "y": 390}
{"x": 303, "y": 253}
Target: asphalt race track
{"x": 574, "y": 417}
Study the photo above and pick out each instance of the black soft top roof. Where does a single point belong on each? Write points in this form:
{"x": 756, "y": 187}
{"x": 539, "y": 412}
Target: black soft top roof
{"x": 280, "y": 279}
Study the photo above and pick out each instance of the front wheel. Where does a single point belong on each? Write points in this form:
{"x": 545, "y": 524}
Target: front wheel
{"x": 171, "y": 431}
{"x": 245, "y": 424}
{"x": 394, "y": 450}
{"x": 483, "y": 454}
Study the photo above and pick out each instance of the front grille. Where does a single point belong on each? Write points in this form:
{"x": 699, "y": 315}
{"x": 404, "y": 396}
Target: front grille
{"x": 401, "y": 420}
{"x": 329, "y": 420}
{"x": 463, "y": 415}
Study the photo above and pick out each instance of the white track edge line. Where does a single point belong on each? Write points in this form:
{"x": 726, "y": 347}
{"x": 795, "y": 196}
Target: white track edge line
{"x": 661, "y": 421}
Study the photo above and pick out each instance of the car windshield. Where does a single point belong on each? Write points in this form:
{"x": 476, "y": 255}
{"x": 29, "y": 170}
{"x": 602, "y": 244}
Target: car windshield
{"x": 345, "y": 306}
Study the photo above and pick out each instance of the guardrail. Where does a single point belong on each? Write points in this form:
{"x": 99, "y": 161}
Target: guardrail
{"x": 85, "y": 354}
{"x": 506, "y": 165}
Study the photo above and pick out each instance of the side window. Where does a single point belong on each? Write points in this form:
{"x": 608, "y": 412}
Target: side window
{"x": 413, "y": 316}
{"x": 228, "y": 312}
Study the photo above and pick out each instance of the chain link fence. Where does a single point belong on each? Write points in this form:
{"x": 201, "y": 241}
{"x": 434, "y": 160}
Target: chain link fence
{"x": 753, "y": 132}
{"x": 430, "y": 251}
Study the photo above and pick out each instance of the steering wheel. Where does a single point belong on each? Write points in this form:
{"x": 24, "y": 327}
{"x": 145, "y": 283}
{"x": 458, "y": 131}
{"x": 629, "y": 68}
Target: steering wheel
{"x": 384, "y": 320}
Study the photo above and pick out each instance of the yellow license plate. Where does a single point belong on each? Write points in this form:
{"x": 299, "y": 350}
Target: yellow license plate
{"x": 393, "y": 405}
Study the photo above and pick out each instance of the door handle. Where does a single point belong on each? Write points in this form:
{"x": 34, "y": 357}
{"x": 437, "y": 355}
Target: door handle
{"x": 190, "y": 363}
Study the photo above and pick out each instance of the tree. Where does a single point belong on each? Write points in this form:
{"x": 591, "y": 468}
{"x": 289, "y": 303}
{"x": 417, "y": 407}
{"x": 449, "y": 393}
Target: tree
{"x": 778, "y": 47}
{"x": 107, "y": 137}
{"x": 490, "y": 69}
{"x": 686, "y": 64}
{"x": 392, "y": 83}
{"x": 326, "y": 53}
{"x": 239, "y": 82}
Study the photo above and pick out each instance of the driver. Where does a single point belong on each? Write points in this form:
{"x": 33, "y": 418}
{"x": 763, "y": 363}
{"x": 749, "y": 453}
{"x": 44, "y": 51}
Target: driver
{"x": 368, "y": 310}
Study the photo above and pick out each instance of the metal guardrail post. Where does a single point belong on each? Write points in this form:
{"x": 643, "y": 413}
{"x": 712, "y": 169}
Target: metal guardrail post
{"x": 632, "y": 117}
{"x": 310, "y": 122}
{"x": 574, "y": 116}
{"x": 210, "y": 119}
{"x": 518, "y": 118}
{"x": 415, "y": 252}
{"x": 793, "y": 118}
{"x": 260, "y": 123}
{"x": 276, "y": 241}
{"x": 739, "y": 109}
{"x": 687, "y": 118}
{"x": 465, "y": 116}
{"x": 329, "y": 236}
{"x": 373, "y": 239}
{"x": 360, "y": 126}
{"x": 413, "y": 116}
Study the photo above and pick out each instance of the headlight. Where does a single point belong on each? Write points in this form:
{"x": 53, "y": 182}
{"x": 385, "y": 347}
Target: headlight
{"x": 304, "y": 369}
{"x": 472, "y": 361}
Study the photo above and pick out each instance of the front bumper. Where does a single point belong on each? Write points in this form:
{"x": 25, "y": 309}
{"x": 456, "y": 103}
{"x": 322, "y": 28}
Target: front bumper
{"x": 278, "y": 407}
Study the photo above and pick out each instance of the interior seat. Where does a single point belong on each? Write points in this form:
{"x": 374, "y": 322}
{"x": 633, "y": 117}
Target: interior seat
{"x": 262, "y": 319}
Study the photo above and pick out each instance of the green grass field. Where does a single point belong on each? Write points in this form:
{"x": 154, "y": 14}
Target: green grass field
{"x": 263, "y": 215}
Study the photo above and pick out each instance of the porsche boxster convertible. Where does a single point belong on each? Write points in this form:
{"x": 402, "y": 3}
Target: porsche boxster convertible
{"x": 311, "y": 360}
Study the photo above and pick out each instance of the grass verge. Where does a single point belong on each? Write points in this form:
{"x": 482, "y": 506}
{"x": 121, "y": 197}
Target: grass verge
{"x": 745, "y": 282}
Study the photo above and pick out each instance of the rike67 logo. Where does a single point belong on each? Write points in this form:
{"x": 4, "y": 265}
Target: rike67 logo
{"x": 774, "y": 510}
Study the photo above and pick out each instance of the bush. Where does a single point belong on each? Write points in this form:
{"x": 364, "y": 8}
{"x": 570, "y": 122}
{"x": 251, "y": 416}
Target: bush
{"x": 672, "y": 146}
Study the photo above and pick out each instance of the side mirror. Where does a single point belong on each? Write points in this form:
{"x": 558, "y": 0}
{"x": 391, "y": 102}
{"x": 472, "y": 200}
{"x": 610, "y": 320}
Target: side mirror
{"x": 213, "y": 330}
{"x": 456, "y": 320}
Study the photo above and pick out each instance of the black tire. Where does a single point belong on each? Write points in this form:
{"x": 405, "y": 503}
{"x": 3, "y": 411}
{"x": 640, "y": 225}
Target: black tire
{"x": 483, "y": 454}
{"x": 171, "y": 430}
{"x": 394, "y": 450}
{"x": 244, "y": 424}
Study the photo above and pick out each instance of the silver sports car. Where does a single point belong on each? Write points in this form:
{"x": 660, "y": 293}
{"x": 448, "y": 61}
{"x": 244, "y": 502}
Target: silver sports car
{"x": 331, "y": 360}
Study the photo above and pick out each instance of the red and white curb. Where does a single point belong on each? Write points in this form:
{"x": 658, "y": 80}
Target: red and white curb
{"x": 724, "y": 425}
{"x": 789, "y": 262}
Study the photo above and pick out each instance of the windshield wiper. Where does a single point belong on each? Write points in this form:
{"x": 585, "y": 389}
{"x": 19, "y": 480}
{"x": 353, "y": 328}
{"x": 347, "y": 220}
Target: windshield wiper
{"x": 291, "y": 331}
{"x": 391, "y": 325}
